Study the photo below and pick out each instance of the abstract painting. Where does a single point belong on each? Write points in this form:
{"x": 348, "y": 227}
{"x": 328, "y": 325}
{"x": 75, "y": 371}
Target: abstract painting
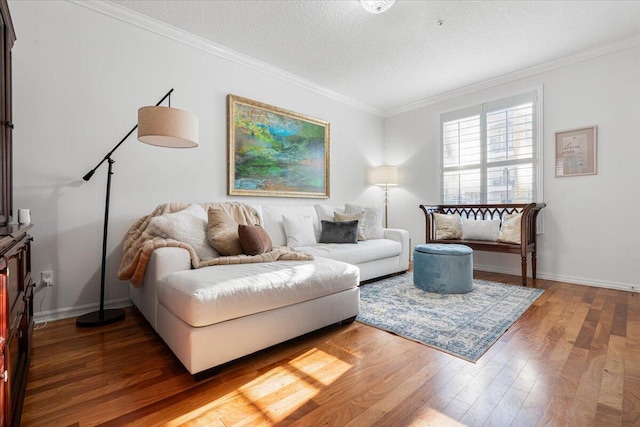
{"x": 274, "y": 152}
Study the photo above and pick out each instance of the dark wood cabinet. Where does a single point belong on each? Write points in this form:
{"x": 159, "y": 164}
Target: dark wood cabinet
{"x": 16, "y": 284}
{"x": 16, "y": 317}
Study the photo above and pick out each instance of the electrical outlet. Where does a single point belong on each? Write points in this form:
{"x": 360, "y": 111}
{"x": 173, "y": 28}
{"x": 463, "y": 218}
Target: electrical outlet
{"x": 46, "y": 278}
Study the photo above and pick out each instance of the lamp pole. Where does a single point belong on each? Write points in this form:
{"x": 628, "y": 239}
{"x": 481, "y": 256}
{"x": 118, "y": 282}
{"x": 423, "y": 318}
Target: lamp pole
{"x": 386, "y": 205}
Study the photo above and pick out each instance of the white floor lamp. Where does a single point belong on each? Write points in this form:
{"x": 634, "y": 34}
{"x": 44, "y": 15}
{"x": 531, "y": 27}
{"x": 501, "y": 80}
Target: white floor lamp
{"x": 385, "y": 176}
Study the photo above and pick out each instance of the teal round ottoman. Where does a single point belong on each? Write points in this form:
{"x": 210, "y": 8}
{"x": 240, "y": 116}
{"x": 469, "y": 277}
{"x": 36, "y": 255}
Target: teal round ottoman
{"x": 443, "y": 268}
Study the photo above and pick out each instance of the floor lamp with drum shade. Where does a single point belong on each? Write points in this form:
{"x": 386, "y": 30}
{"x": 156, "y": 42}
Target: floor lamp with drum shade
{"x": 159, "y": 126}
{"x": 385, "y": 176}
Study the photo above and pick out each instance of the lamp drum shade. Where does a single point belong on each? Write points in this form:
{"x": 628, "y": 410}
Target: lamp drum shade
{"x": 385, "y": 175}
{"x": 167, "y": 127}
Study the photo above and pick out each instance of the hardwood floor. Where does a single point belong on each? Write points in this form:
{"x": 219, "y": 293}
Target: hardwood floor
{"x": 572, "y": 359}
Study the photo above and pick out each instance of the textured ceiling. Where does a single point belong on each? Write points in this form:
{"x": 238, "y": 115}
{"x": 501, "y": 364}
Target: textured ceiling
{"x": 403, "y": 56}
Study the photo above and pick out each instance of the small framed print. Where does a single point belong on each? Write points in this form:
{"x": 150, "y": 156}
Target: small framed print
{"x": 576, "y": 152}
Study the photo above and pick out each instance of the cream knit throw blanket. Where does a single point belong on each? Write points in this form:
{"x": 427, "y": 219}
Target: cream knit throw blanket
{"x": 139, "y": 244}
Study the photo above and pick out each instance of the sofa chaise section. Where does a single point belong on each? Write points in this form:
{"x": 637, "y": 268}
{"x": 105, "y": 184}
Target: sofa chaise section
{"x": 213, "y": 315}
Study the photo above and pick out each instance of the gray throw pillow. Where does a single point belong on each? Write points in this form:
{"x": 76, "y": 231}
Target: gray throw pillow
{"x": 339, "y": 232}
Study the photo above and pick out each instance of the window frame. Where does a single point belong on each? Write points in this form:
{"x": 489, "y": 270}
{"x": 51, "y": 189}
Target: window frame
{"x": 466, "y": 110}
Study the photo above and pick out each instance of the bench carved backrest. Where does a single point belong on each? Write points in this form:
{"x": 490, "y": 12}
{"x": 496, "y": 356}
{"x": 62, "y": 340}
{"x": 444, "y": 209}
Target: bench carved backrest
{"x": 482, "y": 212}
{"x": 487, "y": 211}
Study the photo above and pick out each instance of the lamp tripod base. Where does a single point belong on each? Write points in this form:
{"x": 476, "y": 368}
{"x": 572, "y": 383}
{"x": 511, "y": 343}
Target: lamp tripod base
{"x": 100, "y": 318}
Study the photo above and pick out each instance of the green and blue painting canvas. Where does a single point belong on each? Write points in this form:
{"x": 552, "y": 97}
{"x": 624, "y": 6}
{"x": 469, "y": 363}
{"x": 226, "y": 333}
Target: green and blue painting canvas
{"x": 278, "y": 153}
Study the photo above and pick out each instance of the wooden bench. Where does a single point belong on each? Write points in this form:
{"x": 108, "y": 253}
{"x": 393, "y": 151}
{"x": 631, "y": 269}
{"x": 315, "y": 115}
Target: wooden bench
{"x": 492, "y": 211}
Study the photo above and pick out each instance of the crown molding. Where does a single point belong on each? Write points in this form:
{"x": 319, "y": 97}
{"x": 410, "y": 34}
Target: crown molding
{"x": 146, "y": 23}
{"x": 163, "y": 29}
{"x": 517, "y": 75}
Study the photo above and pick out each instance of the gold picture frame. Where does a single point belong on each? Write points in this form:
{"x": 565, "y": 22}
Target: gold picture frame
{"x": 576, "y": 152}
{"x": 273, "y": 152}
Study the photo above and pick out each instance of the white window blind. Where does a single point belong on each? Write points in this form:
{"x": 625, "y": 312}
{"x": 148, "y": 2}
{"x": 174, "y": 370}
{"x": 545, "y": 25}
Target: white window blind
{"x": 489, "y": 152}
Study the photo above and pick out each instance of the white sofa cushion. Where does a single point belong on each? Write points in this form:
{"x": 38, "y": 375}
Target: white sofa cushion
{"x": 272, "y": 220}
{"x": 299, "y": 230}
{"x": 369, "y": 250}
{"x": 210, "y": 295}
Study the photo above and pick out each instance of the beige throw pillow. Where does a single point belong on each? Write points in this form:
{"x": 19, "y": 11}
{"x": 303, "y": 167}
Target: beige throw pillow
{"x": 338, "y": 217}
{"x": 448, "y": 227}
{"x": 510, "y": 229}
{"x": 222, "y": 233}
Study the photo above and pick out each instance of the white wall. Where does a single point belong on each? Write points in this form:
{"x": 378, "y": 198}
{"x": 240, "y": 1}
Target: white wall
{"x": 591, "y": 233}
{"x": 79, "y": 78}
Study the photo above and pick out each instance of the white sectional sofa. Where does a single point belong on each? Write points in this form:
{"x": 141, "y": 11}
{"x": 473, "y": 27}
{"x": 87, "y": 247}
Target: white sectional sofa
{"x": 212, "y": 315}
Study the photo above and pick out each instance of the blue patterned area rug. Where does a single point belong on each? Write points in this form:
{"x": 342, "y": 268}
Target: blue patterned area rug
{"x": 465, "y": 325}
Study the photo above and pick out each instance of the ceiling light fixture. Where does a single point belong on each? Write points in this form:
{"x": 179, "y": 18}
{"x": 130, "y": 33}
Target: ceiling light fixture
{"x": 377, "y": 6}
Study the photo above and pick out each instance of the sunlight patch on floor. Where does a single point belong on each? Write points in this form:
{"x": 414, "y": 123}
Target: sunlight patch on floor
{"x": 431, "y": 417}
{"x": 274, "y": 395}
{"x": 308, "y": 374}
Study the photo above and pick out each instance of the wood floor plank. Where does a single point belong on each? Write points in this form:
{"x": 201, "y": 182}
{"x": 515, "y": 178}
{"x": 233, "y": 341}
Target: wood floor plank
{"x": 632, "y": 351}
{"x": 609, "y": 404}
{"x": 572, "y": 359}
{"x": 532, "y": 409}
{"x": 387, "y": 401}
{"x": 504, "y": 412}
{"x": 412, "y": 407}
{"x": 619, "y": 323}
{"x": 631, "y": 385}
{"x": 583, "y": 407}
{"x": 631, "y": 394}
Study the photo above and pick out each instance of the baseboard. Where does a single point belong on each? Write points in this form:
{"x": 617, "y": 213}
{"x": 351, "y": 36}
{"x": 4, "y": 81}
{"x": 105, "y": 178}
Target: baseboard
{"x": 631, "y": 287}
{"x": 65, "y": 313}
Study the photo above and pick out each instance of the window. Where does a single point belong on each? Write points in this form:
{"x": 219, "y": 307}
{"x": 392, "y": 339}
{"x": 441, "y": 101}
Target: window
{"x": 490, "y": 152}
